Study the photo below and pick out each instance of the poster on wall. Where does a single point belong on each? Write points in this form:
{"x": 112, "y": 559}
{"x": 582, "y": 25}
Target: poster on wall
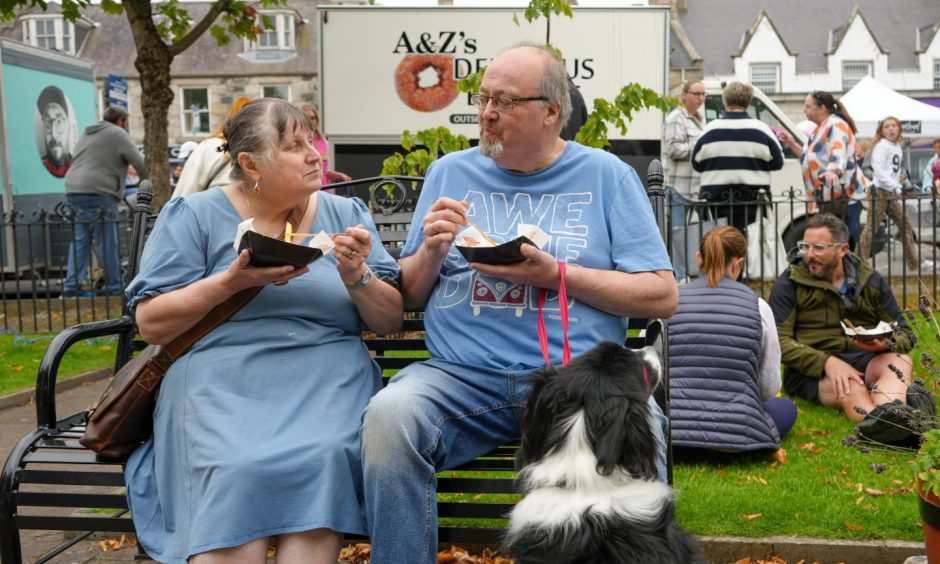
{"x": 56, "y": 130}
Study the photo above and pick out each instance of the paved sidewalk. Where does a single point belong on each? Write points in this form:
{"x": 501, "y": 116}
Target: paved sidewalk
{"x": 18, "y": 420}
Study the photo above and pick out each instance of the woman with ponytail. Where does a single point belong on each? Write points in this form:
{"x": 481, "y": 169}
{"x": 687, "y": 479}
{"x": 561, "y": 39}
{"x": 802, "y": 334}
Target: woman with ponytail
{"x": 724, "y": 358}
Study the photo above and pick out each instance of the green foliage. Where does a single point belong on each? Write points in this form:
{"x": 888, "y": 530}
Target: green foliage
{"x": 927, "y": 463}
{"x": 632, "y": 98}
{"x": 424, "y": 147}
{"x": 471, "y": 83}
{"x": 545, "y": 8}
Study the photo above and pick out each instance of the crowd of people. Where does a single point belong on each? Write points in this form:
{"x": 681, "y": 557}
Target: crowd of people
{"x": 276, "y": 424}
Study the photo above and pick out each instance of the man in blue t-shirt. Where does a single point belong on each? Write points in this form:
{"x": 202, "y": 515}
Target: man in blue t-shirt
{"x": 481, "y": 319}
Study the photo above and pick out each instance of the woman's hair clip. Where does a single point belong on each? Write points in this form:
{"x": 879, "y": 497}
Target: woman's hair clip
{"x": 223, "y": 148}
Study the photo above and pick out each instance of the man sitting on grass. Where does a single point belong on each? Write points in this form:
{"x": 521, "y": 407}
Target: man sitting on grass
{"x": 870, "y": 380}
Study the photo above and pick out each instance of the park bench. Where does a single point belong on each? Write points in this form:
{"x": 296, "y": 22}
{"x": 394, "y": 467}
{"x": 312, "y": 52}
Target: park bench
{"x": 51, "y": 482}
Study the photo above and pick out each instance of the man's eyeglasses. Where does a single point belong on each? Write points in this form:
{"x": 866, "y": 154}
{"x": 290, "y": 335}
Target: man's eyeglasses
{"x": 502, "y": 103}
{"x": 690, "y": 93}
{"x": 803, "y": 246}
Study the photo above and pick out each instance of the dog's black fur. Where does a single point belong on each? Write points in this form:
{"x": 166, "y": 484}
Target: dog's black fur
{"x": 597, "y": 500}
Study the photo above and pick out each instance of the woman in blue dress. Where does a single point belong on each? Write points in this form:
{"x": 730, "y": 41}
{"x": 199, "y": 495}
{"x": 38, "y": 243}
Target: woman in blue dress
{"x": 256, "y": 427}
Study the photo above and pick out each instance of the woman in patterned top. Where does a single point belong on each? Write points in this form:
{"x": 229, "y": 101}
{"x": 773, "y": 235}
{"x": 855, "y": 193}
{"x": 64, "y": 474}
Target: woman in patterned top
{"x": 828, "y": 159}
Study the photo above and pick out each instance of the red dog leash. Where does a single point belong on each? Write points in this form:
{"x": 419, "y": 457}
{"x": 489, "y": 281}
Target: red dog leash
{"x": 563, "y": 307}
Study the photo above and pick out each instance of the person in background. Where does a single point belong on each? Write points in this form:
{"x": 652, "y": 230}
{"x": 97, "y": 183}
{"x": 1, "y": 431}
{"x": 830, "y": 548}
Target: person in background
{"x": 684, "y": 126}
{"x": 323, "y": 147}
{"x": 735, "y": 156}
{"x": 207, "y": 165}
{"x": 94, "y": 185}
{"x": 931, "y": 177}
{"x": 724, "y": 357}
{"x": 579, "y": 112}
{"x": 828, "y": 158}
{"x": 889, "y": 188}
{"x": 853, "y": 217}
{"x": 870, "y": 381}
{"x": 256, "y": 429}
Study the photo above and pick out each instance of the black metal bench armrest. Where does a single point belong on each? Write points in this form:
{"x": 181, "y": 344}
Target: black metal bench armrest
{"x": 49, "y": 366}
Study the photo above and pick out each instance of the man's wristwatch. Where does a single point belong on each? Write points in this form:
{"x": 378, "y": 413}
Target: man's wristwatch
{"x": 362, "y": 282}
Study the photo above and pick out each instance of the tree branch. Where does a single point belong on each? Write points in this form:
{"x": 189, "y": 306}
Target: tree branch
{"x": 197, "y": 30}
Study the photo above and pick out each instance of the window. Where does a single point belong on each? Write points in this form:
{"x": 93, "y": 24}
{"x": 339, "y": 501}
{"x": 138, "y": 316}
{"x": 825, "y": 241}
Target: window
{"x": 766, "y": 77}
{"x": 853, "y": 71}
{"x": 51, "y": 33}
{"x": 279, "y": 35}
{"x": 281, "y": 91}
{"x": 195, "y": 110}
{"x": 936, "y": 74}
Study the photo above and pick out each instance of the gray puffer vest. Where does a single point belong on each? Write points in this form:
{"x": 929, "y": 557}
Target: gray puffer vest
{"x": 714, "y": 350}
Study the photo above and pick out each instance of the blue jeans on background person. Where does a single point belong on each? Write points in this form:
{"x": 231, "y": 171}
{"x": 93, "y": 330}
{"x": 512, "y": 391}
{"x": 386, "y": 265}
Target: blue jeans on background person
{"x": 95, "y": 222}
{"x": 432, "y": 416}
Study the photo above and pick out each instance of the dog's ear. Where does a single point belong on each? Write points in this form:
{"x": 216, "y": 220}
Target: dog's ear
{"x": 541, "y": 406}
{"x": 621, "y": 435}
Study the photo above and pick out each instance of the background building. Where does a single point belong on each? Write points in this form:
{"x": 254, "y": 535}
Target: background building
{"x": 206, "y": 77}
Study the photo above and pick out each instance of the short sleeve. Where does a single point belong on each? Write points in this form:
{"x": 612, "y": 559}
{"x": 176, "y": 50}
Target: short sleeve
{"x": 381, "y": 263}
{"x": 636, "y": 244}
{"x": 174, "y": 255}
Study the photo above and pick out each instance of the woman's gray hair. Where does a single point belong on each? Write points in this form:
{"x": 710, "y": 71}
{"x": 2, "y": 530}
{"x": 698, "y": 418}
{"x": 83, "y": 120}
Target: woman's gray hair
{"x": 259, "y": 128}
{"x": 553, "y": 83}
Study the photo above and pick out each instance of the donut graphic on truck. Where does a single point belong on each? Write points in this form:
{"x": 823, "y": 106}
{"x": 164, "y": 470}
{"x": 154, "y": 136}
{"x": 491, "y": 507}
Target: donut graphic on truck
{"x": 415, "y": 69}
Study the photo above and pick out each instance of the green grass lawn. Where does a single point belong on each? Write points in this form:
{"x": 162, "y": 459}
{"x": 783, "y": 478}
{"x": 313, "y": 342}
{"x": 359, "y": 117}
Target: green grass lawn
{"x": 20, "y": 356}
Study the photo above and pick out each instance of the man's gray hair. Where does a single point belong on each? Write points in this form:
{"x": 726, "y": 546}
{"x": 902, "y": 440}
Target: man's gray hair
{"x": 114, "y": 113}
{"x": 836, "y": 227}
{"x": 553, "y": 85}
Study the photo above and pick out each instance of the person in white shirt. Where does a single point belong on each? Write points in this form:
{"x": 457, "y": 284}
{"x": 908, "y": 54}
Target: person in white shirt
{"x": 889, "y": 181}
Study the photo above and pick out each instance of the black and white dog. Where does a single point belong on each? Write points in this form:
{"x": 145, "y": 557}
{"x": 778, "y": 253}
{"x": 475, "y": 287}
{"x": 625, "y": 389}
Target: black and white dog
{"x": 587, "y": 467}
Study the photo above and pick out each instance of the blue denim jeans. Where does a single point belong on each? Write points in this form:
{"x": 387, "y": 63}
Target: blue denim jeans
{"x": 95, "y": 218}
{"x": 431, "y": 417}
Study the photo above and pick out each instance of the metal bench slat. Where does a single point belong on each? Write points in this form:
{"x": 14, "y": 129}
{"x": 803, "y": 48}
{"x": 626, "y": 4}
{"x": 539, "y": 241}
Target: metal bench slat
{"x": 62, "y": 523}
{"x": 473, "y": 510}
{"x": 74, "y": 499}
{"x": 72, "y": 478}
{"x": 86, "y": 457}
{"x": 475, "y": 485}
{"x": 465, "y": 536}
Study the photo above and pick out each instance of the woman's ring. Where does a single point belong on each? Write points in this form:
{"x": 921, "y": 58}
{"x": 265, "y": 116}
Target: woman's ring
{"x": 351, "y": 254}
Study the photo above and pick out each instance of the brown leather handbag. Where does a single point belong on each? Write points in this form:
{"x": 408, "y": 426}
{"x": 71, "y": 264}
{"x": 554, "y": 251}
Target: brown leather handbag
{"x": 122, "y": 418}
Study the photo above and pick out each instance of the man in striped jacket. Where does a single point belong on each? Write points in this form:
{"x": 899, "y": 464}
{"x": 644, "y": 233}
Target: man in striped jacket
{"x": 735, "y": 156}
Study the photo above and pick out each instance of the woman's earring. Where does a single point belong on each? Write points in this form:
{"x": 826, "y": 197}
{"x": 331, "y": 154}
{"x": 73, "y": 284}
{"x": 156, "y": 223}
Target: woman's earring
{"x": 257, "y": 188}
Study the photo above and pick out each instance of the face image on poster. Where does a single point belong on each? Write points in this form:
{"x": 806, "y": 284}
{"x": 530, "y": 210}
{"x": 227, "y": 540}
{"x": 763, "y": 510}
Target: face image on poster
{"x": 56, "y": 130}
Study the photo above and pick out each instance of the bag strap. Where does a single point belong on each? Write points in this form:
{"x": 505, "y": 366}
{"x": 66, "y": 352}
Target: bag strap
{"x": 563, "y": 307}
{"x": 219, "y": 315}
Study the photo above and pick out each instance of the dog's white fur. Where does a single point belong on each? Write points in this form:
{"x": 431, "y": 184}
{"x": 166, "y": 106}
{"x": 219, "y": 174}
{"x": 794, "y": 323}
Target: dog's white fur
{"x": 575, "y": 466}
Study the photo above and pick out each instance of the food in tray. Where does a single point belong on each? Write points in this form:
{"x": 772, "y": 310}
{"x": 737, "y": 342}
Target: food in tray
{"x": 270, "y": 251}
{"x": 476, "y": 246}
{"x": 881, "y": 331}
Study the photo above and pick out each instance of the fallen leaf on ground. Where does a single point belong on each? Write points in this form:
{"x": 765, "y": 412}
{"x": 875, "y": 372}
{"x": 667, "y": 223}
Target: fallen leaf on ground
{"x": 873, "y": 492}
{"x": 854, "y": 527}
{"x": 753, "y": 516}
{"x": 781, "y": 455}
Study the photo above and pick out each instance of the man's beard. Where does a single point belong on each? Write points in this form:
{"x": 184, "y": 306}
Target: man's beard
{"x": 492, "y": 148}
{"x": 825, "y": 273}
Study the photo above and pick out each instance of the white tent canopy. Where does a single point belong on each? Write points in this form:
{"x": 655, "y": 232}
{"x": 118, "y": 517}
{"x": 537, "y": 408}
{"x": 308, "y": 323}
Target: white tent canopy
{"x": 869, "y": 101}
